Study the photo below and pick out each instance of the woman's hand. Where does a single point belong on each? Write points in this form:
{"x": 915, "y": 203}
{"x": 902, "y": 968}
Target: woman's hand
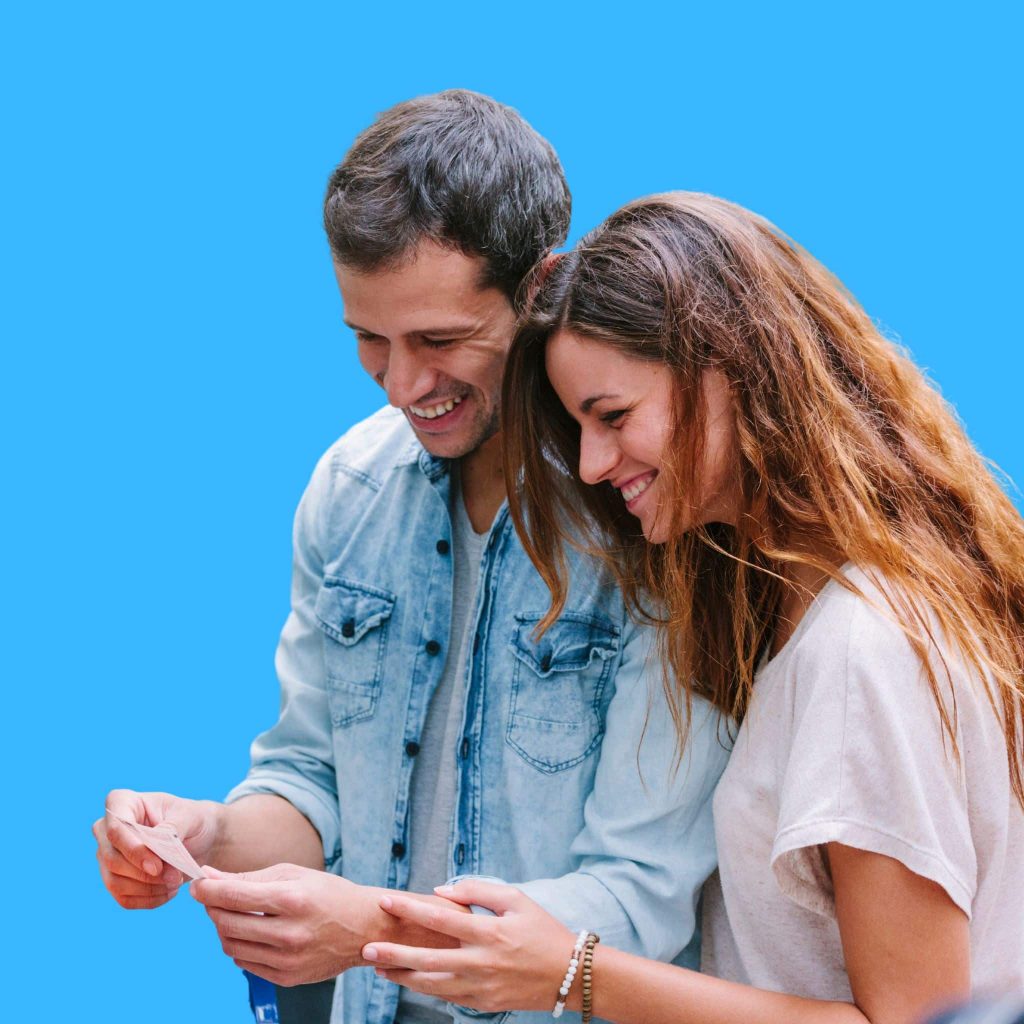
{"x": 515, "y": 961}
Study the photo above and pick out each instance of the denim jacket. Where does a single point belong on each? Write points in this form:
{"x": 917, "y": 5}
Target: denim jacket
{"x": 556, "y": 792}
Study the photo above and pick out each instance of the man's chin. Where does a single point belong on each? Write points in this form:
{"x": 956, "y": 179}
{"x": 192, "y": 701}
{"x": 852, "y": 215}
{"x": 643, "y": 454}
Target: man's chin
{"x": 447, "y": 446}
{"x": 455, "y": 445}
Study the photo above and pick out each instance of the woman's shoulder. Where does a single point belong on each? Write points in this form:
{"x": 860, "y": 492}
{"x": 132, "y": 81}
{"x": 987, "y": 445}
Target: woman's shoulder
{"x": 865, "y": 633}
{"x": 853, "y": 610}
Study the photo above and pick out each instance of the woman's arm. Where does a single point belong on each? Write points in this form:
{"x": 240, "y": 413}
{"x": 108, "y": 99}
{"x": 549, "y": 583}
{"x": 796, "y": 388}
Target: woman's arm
{"x": 906, "y": 946}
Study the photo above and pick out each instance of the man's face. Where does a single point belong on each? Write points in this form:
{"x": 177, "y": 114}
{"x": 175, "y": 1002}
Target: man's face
{"x": 435, "y": 341}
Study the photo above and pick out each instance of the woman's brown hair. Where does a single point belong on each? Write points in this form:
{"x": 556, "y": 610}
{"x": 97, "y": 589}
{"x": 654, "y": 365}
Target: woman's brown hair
{"x": 844, "y": 447}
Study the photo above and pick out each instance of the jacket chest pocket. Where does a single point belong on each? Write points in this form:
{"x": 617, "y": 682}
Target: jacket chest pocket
{"x": 559, "y": 683}
{"x": 354, "y": 621}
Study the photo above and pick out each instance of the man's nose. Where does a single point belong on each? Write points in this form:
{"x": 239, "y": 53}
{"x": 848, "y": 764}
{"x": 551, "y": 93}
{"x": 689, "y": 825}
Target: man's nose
{"x": 407, "y": 377}
{"x": 599, "y": 455}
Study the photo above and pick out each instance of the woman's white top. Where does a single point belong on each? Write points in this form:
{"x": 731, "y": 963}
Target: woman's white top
{"x": 843, "y": 743}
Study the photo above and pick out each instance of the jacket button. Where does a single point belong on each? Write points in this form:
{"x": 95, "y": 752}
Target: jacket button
{"x": 464, "y": 749}
{"x": 443, "y": 547}
{"x": 348, "y": 628}
{"x": 412, "y": 748}
{"x": 545, "y": 662}
{"x": 433, "y": 647}
{"x": 398, "y": 849}
{"x": 460, "y": 854}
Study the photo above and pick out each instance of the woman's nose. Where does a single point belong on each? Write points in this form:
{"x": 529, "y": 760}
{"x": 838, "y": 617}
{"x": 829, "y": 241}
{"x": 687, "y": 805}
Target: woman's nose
{"x": 599, "y": 455}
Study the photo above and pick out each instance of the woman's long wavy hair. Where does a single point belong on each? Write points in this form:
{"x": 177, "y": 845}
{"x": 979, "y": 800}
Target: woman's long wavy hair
{"x": 843, "y": 447}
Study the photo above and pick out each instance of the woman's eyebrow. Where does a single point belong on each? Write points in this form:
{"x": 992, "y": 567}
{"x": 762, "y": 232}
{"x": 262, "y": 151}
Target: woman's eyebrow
{"x": 588, "y": 403}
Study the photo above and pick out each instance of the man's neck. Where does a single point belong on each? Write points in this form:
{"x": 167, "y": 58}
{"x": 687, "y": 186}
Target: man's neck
{"x": 483, "y": 484}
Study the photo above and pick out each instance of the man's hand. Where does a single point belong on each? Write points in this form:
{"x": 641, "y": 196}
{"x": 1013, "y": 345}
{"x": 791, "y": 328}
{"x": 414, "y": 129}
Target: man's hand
{"x": 136, "y": 877}
{"x": 293, "y": 925}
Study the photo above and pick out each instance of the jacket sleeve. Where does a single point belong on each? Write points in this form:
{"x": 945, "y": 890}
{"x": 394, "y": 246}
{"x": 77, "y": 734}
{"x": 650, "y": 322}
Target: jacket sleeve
{"x": 294, "y": 759}
{"x": 647, "y": 844}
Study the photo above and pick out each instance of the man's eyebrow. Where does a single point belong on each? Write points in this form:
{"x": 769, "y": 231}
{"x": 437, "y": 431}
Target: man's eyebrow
{"x": 448, "y": 331}
{"x": 588, "y": 403}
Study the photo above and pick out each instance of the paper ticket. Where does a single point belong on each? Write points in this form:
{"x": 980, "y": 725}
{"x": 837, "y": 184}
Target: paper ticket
{"x": 165, "y": 843}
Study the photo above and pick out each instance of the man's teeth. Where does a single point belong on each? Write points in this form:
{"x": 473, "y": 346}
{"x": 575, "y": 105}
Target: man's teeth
{"x": 433, "y": 411}
{"x": 630, "y": 492}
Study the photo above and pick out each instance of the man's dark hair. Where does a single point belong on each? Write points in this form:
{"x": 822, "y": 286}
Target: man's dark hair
{"x": 459, "y": 169}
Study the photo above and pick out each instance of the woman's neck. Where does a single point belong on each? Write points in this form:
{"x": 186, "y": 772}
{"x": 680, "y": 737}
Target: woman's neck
{"x": 804, "y": 584}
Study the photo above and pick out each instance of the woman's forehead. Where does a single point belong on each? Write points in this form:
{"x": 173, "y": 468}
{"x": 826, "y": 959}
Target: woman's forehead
{"x": 574, "y": 360}
{"x": 583, "y": 370}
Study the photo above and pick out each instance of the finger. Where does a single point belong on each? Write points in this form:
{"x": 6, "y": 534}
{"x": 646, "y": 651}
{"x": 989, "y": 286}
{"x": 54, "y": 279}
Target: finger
{"x": 275, "y": 873}
{"x": 122, "y": 888}
{"x": 499, "y": 898}
{"x": 241, "y": 896}
{"x": 119, "y": 887}
{"x": 266, "y": 973}
{"x": 444, "y": 986}
{"x": 415, "y": 958}
{"x": 125, "y": 803}
{"x": 114, "y": 861}
{"x": 435, "y": 917}
{"x": 258, "y": 953}
{"x": 142, "y": 902}
{"x": 251, "y": 927}
{"x": 131, "y": 847}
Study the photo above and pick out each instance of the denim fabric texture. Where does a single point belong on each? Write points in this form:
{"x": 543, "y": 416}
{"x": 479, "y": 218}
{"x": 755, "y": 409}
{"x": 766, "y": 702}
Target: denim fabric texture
{"x": 556, "y": 792}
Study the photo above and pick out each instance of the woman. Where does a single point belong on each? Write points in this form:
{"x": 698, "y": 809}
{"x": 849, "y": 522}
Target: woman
{"x": 834, "y": 566}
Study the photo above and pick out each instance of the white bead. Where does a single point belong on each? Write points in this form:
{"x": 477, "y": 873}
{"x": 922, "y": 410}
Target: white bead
{"x": 564, "y": 990}
{"x": 574, "y": 962}
{"x": 557, "y": 1011}
{"x": 572, "y": 972}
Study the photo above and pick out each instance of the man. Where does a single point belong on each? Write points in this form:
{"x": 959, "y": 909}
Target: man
{"x": 424, "y": 730}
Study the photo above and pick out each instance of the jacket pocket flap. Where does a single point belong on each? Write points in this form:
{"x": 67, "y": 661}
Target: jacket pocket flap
{"x": 569, "y": 645}
{"x": 345, "y": 611}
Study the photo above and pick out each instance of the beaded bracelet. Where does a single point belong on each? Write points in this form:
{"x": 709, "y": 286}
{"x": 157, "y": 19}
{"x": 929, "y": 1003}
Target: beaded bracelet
{"x": 570, "y": 974}
{"x": 588, "y": 963}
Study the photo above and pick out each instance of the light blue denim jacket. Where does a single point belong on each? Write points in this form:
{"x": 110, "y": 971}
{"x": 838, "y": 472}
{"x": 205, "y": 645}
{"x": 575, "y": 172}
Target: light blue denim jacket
{"x": 556, "y": 792}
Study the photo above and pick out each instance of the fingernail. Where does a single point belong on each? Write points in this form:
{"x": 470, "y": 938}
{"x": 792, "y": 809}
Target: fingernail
{"x": 369, "y": 953}
{"x": 444, "y": 890}
{"x": 151, "y": 867}
{"x": 386, "y": 902}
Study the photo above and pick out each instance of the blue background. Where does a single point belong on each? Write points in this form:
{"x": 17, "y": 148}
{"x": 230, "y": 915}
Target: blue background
{"x": 174, "y": 360}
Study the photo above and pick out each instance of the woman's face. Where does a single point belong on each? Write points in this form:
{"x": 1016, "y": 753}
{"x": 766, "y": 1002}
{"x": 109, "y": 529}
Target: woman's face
{"x": 624, "y": 407}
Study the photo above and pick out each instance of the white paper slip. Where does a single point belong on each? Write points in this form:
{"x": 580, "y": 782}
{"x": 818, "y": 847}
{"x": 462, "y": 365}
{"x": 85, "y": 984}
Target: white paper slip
{"x": 164, "y": 842}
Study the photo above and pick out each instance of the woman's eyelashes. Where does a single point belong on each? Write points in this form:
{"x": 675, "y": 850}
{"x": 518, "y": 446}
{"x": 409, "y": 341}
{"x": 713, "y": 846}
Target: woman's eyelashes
{"x": 613, "y": 416}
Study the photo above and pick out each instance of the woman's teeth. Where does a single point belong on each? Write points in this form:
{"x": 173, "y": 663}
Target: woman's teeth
{"x": 637, "y": 488}
{"x": 431, "y": 412}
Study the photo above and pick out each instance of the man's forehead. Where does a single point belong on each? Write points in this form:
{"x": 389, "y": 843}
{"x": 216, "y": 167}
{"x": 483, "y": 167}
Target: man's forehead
{"x": 437, "y": 291}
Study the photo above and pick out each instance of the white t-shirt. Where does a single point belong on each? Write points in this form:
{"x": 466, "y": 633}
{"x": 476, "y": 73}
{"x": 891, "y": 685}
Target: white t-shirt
{"x": 843, "y": 743}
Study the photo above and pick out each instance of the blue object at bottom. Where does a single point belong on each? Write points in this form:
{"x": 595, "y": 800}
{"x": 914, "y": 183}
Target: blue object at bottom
{"x": 262, "y": 999}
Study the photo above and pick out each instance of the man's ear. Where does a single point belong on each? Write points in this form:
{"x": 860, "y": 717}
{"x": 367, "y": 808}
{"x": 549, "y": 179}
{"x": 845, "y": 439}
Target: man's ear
{"x": 538, "y": 276}
{"x": 547, "y": 264}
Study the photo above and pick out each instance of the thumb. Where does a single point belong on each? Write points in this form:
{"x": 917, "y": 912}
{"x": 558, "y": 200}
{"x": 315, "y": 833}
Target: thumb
{"x": 275, "y": 873}
{"x": 497, "y": 898}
